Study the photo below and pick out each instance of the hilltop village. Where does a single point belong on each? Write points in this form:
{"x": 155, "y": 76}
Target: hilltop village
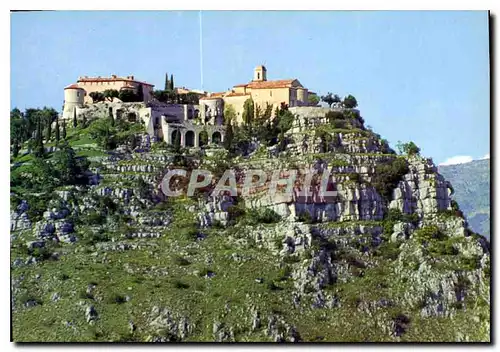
{"x": 188, "y": 112}
{"x": 100, "y": 253}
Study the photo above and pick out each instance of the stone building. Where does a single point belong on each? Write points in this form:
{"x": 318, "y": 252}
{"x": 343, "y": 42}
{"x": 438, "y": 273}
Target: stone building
{"x": 78, "y": 94}
{"x": 262, "y": 92}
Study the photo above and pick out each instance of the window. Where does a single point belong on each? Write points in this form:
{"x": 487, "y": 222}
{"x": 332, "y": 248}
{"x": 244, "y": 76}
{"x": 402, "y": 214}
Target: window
{"x": 77, "y": 93}
{"x": 271, "y": 93}
{"x": 258, "y": 75}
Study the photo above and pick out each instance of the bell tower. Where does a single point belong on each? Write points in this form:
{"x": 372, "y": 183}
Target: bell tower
{"x": 260, "y": 73}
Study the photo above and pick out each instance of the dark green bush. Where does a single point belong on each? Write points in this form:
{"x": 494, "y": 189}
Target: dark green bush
{"x": 181, "y": 261}
{"x": 180, "y": 285}
{"x": 387, "y": 177}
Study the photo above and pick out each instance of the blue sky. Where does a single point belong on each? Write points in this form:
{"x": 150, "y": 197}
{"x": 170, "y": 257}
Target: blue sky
{"x": 420, "y": 76}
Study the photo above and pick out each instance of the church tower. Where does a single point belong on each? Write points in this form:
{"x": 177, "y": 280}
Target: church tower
{"x": 260, "y": 74}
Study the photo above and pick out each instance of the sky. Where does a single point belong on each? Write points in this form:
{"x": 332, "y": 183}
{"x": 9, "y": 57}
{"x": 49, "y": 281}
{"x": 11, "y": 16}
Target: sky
{"x": 417, "y": 76}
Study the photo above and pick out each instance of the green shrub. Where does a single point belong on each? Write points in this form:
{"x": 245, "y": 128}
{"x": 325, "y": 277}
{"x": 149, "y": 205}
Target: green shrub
{"x": 291, "y": 259}
{"x": 470, "y": 263}
{"x": 387, "y": 177}
{"x": 333, "y": 116}
{"x": 236, "y": 211}
{"x": 428, "y": 234}
{"x": 285, "y": 273}
{"x": 92, "y": 238}
{"x": 273, "y": 287}
{"x": 305, "y": 217}
{"x": 117, "y": 298}
{"x": 29, "y": 297}
{"x": 180, "y": 285}
{"x": 261, "y": 216}
{"x": 181, "y": 261}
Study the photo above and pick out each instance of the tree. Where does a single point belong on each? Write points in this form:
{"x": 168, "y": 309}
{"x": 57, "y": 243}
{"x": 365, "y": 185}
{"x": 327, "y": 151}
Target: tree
{"x": 140, "y": 93}
{"x": 167, "y": 82}
{"x": 228, "y": 138}
{"x": 171, "y": 83}
{"x": 84, "y": 121}
{"x": 128, "y": 96}
{"x": 58, "y": 133}
{"x": 328, "y": 99}
{"x": 229, "y": 113}
{"x": 110, "y": 116}
{"x": 67, "y": 166}
{"x": 192, "y": 98}
{"x": 336, "y": 98}
{"x": 97, "y": 96}
{"x": 313, "y": 99}
{"x": 39, "y": 148}
{"x": 177, "y": 142}
{"x": 409, "y": 148}
{"x": 18, "y": 130}
{"x": 350, "y": 102}
{"x": 48, "y": 133}
{"x": 110, "y": 94}
{"x": 203, "y": 137}
{"x": 248, "y": 111}
{"x": 102, "y": 131}
{"x": 64, "y": 130}
{"x": 75, "y": 122}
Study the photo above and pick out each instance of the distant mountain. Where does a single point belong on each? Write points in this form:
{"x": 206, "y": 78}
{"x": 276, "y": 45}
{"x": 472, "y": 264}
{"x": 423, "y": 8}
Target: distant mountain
{"x": 471, "y": 182}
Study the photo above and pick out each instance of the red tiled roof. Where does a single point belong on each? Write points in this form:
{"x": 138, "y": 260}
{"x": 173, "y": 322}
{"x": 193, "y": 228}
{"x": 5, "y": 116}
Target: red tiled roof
{"x": 112, "y": 79}
{"x": 73, "y": 86}
{"x": 281, "y": 83}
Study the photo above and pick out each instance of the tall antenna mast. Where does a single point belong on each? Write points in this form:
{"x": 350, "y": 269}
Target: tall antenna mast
{"x": 201, "y": 52}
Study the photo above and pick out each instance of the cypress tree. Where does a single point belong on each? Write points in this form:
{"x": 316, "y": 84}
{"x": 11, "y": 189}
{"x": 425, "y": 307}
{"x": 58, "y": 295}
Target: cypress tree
{"x": 171, "y": 82}
{"x": 39, "y": 149}
{"x": 75, "y": 123}
{"x": 111, "y": 118}
{"x": 58, "y": 135}
{"x": 64, "y": 130}
{"x": 228, "y": 139}
{"x": 48, "y": 134}
{"x": 15, "y": 149}
{"x": 177, "y": 142}
{"x": 84, "y": 121}
{"x": 167, "y": 82}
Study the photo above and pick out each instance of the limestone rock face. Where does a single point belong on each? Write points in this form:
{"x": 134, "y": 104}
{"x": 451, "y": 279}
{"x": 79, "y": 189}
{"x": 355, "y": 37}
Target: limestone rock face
{"x": 286, "y": 267}
{"x": 423, "y": 190}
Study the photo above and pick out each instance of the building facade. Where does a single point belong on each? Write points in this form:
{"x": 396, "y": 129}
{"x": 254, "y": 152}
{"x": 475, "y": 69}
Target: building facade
{"x": 78, "y": 94}
{"x": 262, "y": 92}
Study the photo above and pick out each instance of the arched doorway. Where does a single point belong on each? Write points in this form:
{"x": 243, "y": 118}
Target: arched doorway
{"x": 203, "y": 138}
{"x": 176, "y": 138}
{"x": 189, "y": 139}
{"x": 216, "y": 137}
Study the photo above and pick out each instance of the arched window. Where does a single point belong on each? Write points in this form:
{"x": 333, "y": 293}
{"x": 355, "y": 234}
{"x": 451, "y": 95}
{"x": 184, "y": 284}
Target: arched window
{"x": 216, "y": 137}
{"x": 189, "y": 139}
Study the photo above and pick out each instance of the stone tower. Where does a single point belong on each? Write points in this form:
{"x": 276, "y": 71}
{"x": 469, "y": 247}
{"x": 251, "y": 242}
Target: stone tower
{"x": 73, "y": 98}
{"x": 260, "y": 74}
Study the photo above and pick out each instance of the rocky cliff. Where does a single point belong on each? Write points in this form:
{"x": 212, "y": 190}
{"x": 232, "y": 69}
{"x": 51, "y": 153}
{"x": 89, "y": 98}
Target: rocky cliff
{"x": 389, "y": 258}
